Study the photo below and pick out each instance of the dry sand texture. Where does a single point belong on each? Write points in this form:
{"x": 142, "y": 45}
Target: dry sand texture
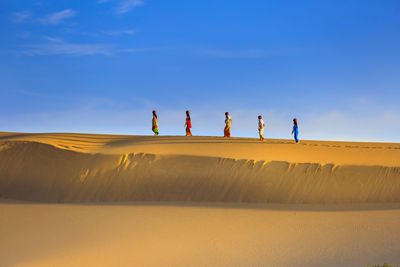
{"x": 104, "y": 168}
{"x": 210, "y": 235}
{"x": 197, "y": 201}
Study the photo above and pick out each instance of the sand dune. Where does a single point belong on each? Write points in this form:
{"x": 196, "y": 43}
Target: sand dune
{"x": 154, "y": 234}
{"x": 323, "y": 152}
{"x": 201, "y": 201}
{"x": 37, "y": 169}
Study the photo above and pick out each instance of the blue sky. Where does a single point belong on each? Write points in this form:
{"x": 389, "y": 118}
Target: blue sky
{"x": 103, "y": 65}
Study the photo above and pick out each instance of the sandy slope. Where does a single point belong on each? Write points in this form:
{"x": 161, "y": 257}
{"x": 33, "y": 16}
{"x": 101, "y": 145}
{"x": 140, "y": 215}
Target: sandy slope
{"x": 199, "y": 191}
{"x": 211, "y": 235}
{"x": 93, "y": 168}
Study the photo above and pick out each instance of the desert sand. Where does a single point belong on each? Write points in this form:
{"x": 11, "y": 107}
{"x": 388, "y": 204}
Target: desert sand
{"x": 115, "y": 200}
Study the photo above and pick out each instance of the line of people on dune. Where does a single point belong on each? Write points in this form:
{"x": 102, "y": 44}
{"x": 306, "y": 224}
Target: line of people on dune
{"x": 227, "y": 129}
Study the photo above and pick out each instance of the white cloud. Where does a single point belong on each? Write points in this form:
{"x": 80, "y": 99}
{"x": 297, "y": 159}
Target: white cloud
{"x": 57, "y": 46}
{"x": 62, "y": 48}
{"x": 58, "y": 17}
{"x": 134, "y": 50}
{"x": 248, "y": 53}
{"x": 52, "y": 39}
{"x": 119, "y": 32}
{"x": 127, "y": 5}
{"x": 22, "y": 17}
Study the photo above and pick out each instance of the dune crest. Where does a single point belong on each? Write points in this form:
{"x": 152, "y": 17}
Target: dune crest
{"x": 40, "y": 172}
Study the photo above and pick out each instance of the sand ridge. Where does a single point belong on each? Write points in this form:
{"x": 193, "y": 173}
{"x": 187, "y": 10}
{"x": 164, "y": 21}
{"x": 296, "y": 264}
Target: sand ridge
{"x": 323, "y": 152}
{"x": 53, "y": 168}
{"x": 197, "y": 201}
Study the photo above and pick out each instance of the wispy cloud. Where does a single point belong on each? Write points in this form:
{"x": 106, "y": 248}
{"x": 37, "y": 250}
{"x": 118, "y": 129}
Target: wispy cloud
{"x": 134, "y": 50}
{"x": 22, "y": 17}
{"x": 119, "y": 32}
{"x": 124, "y": 6}
{"x": 58, "y": 17}
{"x": 57, "y": 46}
{"x": 248, "y": 53}
{"x": 52, "y": 39}
{"x": 127, "y": 5}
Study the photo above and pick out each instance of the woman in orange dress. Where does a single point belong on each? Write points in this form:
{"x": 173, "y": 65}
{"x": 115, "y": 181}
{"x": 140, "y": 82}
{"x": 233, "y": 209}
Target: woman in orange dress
{"x": 228, "y": 120}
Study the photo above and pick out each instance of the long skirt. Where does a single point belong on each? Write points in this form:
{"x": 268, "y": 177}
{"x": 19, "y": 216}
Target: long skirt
{"x": 188, "y": 131}
{"x": 155, "y": 130}
{"x": 227, "y": 131}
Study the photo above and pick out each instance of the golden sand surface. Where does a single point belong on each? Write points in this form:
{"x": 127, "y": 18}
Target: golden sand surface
{"x": 323, "y": 152}
{"x": 154, "y": 234}
{"x": 108, "y": 168}
{"x": 117, "y": 200}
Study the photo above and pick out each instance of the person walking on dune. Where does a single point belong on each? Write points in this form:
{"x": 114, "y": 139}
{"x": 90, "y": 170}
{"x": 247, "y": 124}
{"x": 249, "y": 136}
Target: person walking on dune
{"x": 227, "y": 130}
{"x": 261, "y": 127}
{"x": 188, "y": 124}
{"x": 154, "y": 125}
{"x": 295, "y": 130}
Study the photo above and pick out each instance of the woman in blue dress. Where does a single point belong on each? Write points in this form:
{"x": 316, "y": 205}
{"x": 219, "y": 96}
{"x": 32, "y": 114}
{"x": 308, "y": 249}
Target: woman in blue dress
{"x": 295, "y": 130}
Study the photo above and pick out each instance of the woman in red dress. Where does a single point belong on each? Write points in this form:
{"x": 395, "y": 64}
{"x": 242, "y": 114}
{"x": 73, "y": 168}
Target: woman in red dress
{"x": 188, "y": 124}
